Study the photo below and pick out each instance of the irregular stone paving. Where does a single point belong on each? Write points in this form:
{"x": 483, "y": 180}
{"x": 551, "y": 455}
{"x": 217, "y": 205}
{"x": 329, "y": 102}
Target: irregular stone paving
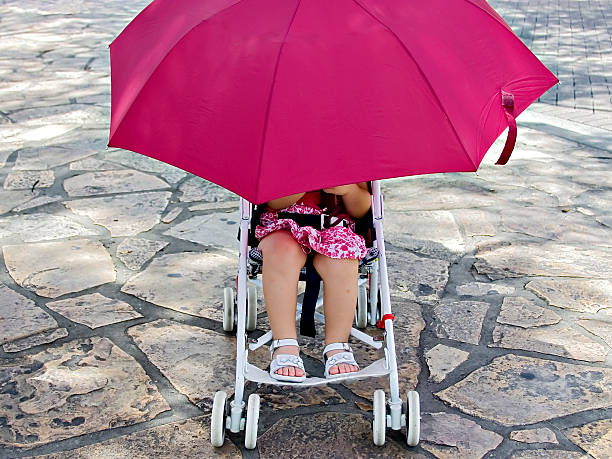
{"x": 115, "y": 264}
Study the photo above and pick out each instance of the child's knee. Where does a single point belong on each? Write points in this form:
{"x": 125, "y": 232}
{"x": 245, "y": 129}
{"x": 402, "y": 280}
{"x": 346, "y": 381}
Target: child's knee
{"x": 281, "y": 246}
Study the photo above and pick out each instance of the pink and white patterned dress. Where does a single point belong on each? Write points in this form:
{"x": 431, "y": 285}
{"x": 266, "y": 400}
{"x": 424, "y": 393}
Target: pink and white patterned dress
{"x": 336, "y": 242}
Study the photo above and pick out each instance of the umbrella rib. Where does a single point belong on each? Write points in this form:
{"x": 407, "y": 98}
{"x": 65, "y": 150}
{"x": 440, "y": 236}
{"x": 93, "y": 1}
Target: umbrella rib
{"x": 403, "y": 45}
{"x": 170, "y": 48}
{"x": 265, "y": 126}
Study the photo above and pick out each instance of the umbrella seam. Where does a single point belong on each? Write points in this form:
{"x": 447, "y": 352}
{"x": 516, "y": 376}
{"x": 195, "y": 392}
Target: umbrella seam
{"x": 265, "y": 126}
{"x": 403, "y": 45}
{"x": 156, "y": 66}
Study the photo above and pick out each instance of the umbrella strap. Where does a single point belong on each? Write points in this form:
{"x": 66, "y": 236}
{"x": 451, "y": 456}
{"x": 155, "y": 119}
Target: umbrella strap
{"x": 508, "y": 104}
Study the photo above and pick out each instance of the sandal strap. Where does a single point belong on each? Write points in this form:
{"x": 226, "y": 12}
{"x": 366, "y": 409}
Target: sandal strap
{"x": 339, "y": 358}
{"x": 336, "y": 346}
{"x": 282, "y": 342}
{"x": 286, "y": 360}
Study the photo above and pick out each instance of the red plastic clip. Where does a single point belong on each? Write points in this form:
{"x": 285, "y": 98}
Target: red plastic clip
{"x": 381, "y": 322}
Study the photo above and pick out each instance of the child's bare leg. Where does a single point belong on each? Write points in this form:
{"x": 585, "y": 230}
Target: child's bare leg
{"x": 340, "y": 300}
{"x": 282, "y": 260}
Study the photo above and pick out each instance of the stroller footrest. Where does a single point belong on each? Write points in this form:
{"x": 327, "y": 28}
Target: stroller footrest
{"x": 375, "y": 369}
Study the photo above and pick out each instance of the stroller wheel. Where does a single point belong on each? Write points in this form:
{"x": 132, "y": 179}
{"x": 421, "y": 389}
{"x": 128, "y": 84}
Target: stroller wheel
{"x": 361, "y": 313}
{"x": 251, "y": 323}
{"x": 228, "y": 309}
{"x": 217, "y": 419}
{"x": 252, "y": 419}
{"x": 379, "y": 425}
{"x": 413, "y": 421}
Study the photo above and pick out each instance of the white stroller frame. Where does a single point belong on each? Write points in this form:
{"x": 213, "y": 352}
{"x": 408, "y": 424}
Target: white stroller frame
{"x": 385, "y": 414}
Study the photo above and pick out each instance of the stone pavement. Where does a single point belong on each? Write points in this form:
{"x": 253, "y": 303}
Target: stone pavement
{"x": 111, "y": 342}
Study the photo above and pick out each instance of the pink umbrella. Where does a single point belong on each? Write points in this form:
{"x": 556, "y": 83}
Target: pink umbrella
{"x": 272, "y": 97}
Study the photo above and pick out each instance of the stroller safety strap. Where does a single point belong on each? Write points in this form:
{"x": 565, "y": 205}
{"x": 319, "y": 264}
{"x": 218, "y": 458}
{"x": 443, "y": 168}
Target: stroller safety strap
{"x": 318, "y": 222}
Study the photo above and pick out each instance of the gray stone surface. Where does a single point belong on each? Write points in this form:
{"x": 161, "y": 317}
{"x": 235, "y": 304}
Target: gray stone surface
{"x": 442, "y": 359}
{"x": 520, "y": 312}
{"x": 135, "y": 252}
{"x": 72, "y": 390}
{"x": 543, "y": 435}
{"x": 548, "y": 454}
{"x": 37, "y": 202}
{"x": 595, "y": 438}
{"x": 451, "y": 436}
{"x": 171, "y": 215}
{"x": 136, "y": 161}
{"x": 417, "y": 278}
{"x": 601, "y": 329}
{"x": 28, "y": 342}
{"x": 529, "y": 259}
{"x": 516, "y": 390}
{"x": 189, "y": 282}
{"x": 94, "y": 310}
{"x": 582, "y": 295}
{"x": 483, "y": 288}
{"x": 48, "y": 157}
{"x": 28, "y": 180}
{"x": 52, "y": 269}
{"x": 10, "y": 199}
{"x": 20, "y": 317}
{"x": 460, "y": 320}
{"x": 105, "y": 182}
{"x": 123, "y": 215}
{"x": 198, "y": 189}
{"x": 474, "y": 222}
{"x": 187, "y": 438}
{"x": 40, "y": 227}
{"x": 198, "y": 229}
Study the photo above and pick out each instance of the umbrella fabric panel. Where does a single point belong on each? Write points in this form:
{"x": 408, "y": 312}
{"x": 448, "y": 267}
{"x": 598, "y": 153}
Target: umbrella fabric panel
{"x": 148, "y": 39}
{"x": 209, "y": 119}
{"x": 348, "y": 104}
{"x": 469, "y": 55}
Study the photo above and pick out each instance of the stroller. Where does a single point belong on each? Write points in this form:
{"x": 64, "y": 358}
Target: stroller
{"x": 240, "y": 314}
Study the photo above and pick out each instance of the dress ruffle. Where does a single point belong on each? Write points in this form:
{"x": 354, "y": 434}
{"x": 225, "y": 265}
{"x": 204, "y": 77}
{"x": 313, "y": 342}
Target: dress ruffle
{"x": 336, "y": 242}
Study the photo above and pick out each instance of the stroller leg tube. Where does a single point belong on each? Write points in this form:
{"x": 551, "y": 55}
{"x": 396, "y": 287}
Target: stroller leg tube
{"x": 395, "y": 402}
{"x": 238, "y": 404}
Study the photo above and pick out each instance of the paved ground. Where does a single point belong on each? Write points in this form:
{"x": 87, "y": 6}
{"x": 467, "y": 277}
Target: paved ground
{"x": 110, "y": 300}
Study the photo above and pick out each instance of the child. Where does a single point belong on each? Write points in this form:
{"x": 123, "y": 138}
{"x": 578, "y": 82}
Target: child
{"x": 285, "y": 245}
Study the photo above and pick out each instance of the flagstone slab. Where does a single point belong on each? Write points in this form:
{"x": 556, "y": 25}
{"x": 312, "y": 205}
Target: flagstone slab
{"x": 474, "y": 222}
{"x": 20, "y": 317}
{"x": 52, "y": 269}
{"x": 483, "y": 288}
{"x": 582, "y": 295}
{"x": 442, "y": 360}
{"x": 107, "y": 182}
{"x": 94, "y": 310}
{"x": 37, "y": 202}
{"x": 460, "y": 320}
{"x": 556, "y": 225}
{"x": 123, "y": 215}
{"x": 93, "y": 164}
{"x": 218, "y": 229}
{"x": 521, "y": 312}
{"x": 564, "y": 342}
{"x": 429, "y": 232}
{"x": 28, "y": 342}
{"x": 543, "y": 435}
{"x": 517, "y": 390}
{"x": 135, "y": 252}
{"x": 183, "y": 439}
{"x": 14, "y": 198}
{"x": 417, "y": 278}
{"x": 595, "y": 438}
{"x": 442, "y": 194}
{"x": 187, "y": 282}
{"x": 598, "y": 328}
{"x": 198, "y": 189}
{"x": 171, "y": 216}
{"x": 548, "y": 454}
{"x": 529, "y": 259}
{"x": 74, "y": 389}
{"x": 136, "y": 161}
{"x": 49, "y": 157}
{"x": 326, "y": 435}
{"x": 449, "y": 436}
{"x": 42, "y": 226}
{"x": 27, "y": 180}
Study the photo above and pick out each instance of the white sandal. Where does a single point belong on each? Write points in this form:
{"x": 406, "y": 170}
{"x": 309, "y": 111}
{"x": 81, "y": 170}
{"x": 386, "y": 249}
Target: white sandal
{"x": 286, "y": 360}
{"x": 336, "y": 359}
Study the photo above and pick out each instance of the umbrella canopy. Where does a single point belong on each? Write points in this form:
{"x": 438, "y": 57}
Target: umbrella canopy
{"x": 272, "y": 97}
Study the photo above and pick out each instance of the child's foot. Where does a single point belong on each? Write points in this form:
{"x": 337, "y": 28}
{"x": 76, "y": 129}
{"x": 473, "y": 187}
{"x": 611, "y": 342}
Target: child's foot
{"x": 341, "y": 368}
{"x": 288, "y": 370}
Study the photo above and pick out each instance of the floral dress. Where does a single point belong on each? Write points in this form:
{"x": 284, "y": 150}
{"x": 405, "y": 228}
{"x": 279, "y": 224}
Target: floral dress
{"x": 336, "y": 242}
